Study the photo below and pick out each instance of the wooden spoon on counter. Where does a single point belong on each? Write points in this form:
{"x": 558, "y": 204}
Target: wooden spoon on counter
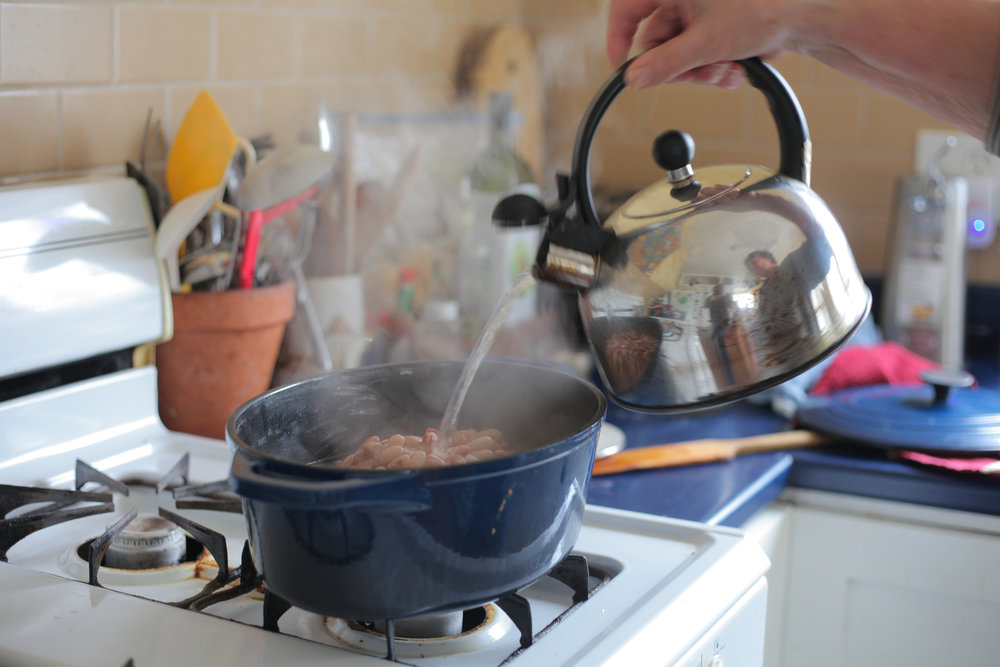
{"x": 705, "y": 451}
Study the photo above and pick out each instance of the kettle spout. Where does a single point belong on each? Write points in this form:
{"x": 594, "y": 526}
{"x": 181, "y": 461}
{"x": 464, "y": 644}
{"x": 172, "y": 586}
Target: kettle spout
{"x": 565, "y": 267}
{"x": 570, "y": 253}
{"x": 570, "y": 248}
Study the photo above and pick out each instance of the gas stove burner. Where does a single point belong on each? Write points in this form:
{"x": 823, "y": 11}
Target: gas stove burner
{"x": 423, "y": 627}
{"x": 26, "y": 509}
{"x": 458, "y": 633}
{"x": 148, "y": 541}
{"x": 146, "y": 554}
{"x": 509, "y": 617}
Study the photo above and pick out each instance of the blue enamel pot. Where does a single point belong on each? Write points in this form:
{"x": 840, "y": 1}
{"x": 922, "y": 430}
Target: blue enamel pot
{"x": 373, "y": 545}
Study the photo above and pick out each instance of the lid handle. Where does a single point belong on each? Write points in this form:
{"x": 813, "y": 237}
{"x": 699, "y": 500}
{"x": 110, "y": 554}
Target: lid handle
{"x": 674, "y": 151}
{"x": 793, "y": 134}
{"x": 944, "y": 380}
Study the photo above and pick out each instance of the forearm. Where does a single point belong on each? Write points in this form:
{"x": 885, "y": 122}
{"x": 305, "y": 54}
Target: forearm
{"x": 940, "y": 56}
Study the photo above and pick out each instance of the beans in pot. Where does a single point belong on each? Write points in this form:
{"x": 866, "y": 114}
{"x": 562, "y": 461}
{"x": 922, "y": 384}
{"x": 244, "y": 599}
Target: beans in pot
{"x": 411, "y": 451}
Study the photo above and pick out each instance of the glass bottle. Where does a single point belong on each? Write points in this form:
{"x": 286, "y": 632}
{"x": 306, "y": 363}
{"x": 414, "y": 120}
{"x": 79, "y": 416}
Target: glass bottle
{"x": 491, "y": 257}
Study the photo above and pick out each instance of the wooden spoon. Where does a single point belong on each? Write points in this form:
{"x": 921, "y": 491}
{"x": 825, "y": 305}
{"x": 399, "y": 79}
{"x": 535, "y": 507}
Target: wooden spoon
{"x": 705, "y": 451}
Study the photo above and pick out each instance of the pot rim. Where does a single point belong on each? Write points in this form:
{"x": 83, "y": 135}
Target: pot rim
{"x": 505, "y": 465}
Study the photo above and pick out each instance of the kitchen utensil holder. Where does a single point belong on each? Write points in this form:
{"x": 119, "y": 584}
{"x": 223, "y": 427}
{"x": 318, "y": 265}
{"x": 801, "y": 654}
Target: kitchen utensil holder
{"x": 222, "y": 354}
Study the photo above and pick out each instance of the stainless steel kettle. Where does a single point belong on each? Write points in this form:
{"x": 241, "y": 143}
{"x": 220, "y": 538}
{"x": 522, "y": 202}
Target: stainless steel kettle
{"x": 708, "y": 285}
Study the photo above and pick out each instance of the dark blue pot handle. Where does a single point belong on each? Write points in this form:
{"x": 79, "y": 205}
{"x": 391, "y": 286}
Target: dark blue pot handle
{"x": 402, "y": 492}
{"x": 793, "y": 134}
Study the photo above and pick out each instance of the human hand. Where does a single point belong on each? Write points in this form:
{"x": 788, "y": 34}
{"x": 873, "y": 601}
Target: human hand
{"x": 696, "y": 40}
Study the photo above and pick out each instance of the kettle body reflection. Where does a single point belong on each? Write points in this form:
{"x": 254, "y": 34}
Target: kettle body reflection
{"x": 706, "y": 286}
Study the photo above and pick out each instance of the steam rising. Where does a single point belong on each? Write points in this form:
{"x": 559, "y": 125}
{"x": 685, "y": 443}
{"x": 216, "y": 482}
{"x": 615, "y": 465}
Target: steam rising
{"x": 422, "y": 233}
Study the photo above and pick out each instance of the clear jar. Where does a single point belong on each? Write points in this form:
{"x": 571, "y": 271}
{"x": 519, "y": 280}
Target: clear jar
{"x": 490, "y": 257}
{"x": 437, "y": 334}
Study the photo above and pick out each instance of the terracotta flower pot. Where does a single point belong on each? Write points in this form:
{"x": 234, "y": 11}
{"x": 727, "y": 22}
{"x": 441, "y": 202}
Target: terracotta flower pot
{"x": 222, "y": 354}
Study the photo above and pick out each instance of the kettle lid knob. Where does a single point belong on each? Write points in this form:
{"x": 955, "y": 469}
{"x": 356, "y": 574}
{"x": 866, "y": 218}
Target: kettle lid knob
{"x": 673, "y": 150}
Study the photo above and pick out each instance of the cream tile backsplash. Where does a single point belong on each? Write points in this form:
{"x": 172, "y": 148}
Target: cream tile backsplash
{"x": 53, "y": 44}
{"x": 257, "y": 44}
{"x": 29, "y": 131}
{"x": 164, "y": 43}
{"x": 99, "y": 126}
{"x": 77, "y": 79}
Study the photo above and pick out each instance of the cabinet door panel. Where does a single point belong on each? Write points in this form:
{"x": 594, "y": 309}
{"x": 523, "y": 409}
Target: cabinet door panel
{"x": 868, "y": 591}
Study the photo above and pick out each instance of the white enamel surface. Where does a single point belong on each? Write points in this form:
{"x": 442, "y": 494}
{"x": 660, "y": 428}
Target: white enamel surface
{"x": 77, "y": 273}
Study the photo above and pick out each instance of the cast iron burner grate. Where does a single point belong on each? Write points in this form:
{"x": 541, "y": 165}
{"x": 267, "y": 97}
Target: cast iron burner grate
{"x": 56, "y": 505}
{"x": 60, "y": 505}
{"x": 201, "y": 537}
{"x": 574, "y": 571}
{"x": 211, "y": 496}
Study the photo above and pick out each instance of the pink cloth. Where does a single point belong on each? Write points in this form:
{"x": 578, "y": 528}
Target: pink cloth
{"x": 860, "y": 365}
{"x": 981, "y": 465}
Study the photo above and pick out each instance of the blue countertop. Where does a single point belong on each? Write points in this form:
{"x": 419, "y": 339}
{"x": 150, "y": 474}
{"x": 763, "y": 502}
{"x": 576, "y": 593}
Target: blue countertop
{"x": 730, "y": 492}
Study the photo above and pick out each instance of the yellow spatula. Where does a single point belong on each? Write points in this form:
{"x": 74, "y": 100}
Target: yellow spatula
{"x": 201, "y": 151}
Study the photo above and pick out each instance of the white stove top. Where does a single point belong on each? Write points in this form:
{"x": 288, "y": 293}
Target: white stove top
{"x": 671, "y": 581}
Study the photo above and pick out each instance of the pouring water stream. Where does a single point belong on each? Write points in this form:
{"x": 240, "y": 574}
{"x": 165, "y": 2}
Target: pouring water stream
{"x": 449, "y": 421}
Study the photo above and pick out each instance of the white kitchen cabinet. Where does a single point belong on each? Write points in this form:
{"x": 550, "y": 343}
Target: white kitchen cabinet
{"x": 858, "y": 581}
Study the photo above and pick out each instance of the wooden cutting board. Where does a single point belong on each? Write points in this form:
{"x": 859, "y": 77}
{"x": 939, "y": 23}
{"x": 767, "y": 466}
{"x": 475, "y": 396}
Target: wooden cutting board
{"x": 502, "y": 58}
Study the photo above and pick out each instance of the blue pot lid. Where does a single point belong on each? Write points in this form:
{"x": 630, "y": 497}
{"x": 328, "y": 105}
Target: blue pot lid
{"x": 945, "y": 414}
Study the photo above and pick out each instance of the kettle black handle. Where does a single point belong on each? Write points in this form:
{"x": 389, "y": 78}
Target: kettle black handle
{"x": 793, "y": 134}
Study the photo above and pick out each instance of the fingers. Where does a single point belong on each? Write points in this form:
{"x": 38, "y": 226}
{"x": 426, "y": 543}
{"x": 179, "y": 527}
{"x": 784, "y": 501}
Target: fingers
{"x": 660, "y": 26}
{"x": 662, "y": 38}
{"x": 724, "y": 75}
{"x": 624, "y": 17}
{"x": 685, "y": 54}
{"x": 727, "y": 75}
{"x": 678, "y": 47}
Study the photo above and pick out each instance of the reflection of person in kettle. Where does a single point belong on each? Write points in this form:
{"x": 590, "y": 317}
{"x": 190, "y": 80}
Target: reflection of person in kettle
{"x": 785, "y": 312}
{"x": 941, "y": 57}
{"x": 787, "y": 290}
{"x": 719, "y": 306}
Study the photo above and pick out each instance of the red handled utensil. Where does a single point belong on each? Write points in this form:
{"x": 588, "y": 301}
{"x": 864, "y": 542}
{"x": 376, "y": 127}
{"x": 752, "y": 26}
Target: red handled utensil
{"x": 254, "y": 222}
{"x": 275, "y": 187}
